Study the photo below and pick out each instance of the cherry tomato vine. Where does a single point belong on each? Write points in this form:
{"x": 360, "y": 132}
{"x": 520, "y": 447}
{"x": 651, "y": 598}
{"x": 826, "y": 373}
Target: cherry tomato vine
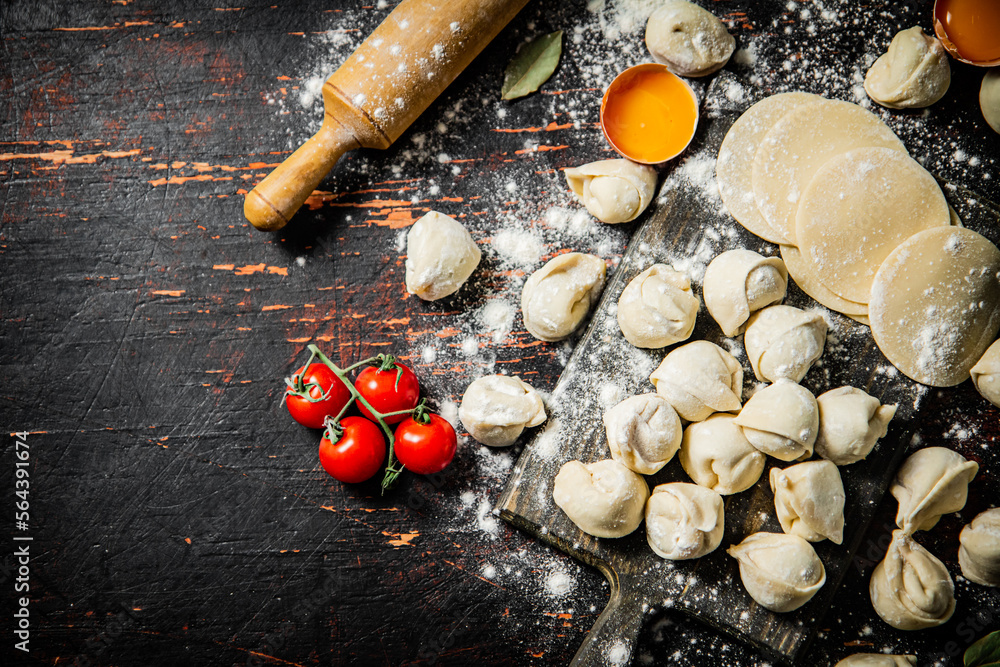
{"x": 430, "y": 439}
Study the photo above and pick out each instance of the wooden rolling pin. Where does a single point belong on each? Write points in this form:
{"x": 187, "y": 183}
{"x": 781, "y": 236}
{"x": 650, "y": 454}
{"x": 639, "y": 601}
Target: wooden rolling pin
{"x": 386, "y": 83}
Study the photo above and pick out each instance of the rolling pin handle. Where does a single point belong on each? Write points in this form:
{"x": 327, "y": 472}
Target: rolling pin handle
{"x": 613, "y": 638}
{"x": 274, "y": 201}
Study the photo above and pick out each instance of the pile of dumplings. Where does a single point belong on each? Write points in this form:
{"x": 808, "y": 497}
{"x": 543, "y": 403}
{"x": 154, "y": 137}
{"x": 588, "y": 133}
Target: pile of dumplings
{"x": 862, "y": 227}
{"x": 697, "y": 413}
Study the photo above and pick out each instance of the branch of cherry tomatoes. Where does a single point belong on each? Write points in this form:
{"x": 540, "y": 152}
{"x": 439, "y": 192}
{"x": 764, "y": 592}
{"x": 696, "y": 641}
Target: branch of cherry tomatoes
{"x": 320, "y": 395}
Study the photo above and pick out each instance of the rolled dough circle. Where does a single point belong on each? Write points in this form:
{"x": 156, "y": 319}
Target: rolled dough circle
{"x": 935, "y": 304}
{"x": 801, "y": 273}
{"x": 858, "y": 207}
{"x": 801, "y": 142}
{"x": 736, "y": 154}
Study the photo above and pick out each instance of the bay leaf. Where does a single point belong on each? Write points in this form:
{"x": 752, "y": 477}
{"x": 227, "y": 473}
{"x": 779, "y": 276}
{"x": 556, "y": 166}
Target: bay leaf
{"x": 532, "y": 66}
{"x": 985, "y": 652}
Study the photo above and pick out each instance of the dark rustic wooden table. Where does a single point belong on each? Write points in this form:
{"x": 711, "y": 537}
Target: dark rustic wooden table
{"x": 176, "y": 514}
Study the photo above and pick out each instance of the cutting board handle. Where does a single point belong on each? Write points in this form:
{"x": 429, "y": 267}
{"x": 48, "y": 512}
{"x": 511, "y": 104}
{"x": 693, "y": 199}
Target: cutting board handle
{"x": 613, "y": 638}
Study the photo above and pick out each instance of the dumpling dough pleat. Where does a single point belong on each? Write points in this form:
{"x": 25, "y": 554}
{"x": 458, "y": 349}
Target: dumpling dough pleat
{"x": 781, "y": 420}
{"x": 739, "y": 282}
{"x": 912, "y": 74}
{"x": 716, "y": 455}
{"x": 688, "y": 39}
{"x": 986, "y": 374}
{"x": 698, "y": 379}
{"x": 440, "y": 256}
{"x": 783, "y": 342}
{"x": 657, "y": 308}
{"x": 911, "y": 589}
{"x": 809, "y": 500}
{"x": 979, "y": 553}
{"x": 497, "y": 408}
{"x": 557, "y": 297}
{"x": 850, "y": 423}
{"x": 932, "y": 482}
{"x": 684, "y": 521}
{"x": 613, "y": 190}
{"x": 603, "y": 499}
{"x": 644, "y": 432}
{"x": 877, "y": 660}
{"x": 781, "y": 572}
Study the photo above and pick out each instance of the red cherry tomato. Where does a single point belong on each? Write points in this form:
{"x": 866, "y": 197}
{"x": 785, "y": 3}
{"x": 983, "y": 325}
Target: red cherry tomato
{"x": 315, "y": 392}
{"x": 381, "y": 389}
{"x": 357, "y": 455}
{"x": 425, "y": 448}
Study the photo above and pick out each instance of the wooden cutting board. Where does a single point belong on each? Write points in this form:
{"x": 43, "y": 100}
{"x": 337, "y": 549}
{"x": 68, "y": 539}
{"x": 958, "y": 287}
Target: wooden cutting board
{"x": 689, "y": 227}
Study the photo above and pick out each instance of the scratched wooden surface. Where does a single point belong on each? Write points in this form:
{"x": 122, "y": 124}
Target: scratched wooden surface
{"x": 176, "y": 512}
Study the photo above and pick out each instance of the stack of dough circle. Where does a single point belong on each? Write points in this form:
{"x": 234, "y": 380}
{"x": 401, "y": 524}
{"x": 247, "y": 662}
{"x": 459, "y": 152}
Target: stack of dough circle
{"x": 737, "y": 153}
{"x": 858, "y": 207}
{"x": 935, "y": 304}
{"x": 801, "y": 142}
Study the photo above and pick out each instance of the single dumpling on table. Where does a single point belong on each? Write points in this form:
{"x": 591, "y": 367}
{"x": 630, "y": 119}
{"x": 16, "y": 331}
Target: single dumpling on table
{"x": 698, "y": 379}
{"x": 877, "y": 660}
{"x": 644, "y": 432}
{"x": 809, "y": 500}
{"x": 557, "y": 297}
{"x": 911, "y": 589}
{"x": 613, "y": 190}
{"x": 781, "y": 572}
{"x": 932, "y": 482}
{"x": 781, "y": 420}
{"x": 850, "y": 423}
{"x": 689, "y": 40}
{"x": 715, "y": 454}
{"x": 740, "y": 282}
{"x": 979, "y": 550}
{"x": 986, "y": 374}
{"x": 783, "y": 342}
{"x": 912, "y": 74}
{"x": 496, "y": 409}
{"x": 440, "y": 256}
{"x": 657, "y": 308}
{"x": 684, "y": 521}
{"x": 603, "y": 499}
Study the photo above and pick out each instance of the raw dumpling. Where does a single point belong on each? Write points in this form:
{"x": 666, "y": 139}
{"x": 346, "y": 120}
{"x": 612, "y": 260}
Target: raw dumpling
{"x": 783, "y": 342}
{"x": 877, "y": 660}
{"x": 440, "y": 256}
{"x": 716, "y": 455}
{"x": 979, "y": 553}
{"x": 698, "y": 379}
{"x": 684, "y": 521}
{"x": 850, "y": 423}
{"x": 782, "y": 420}
{"x": 809, "y": 500}
{"x": 613, "y": 190}
{"x": 644, "y": 432}
{"x": 781, "y": 572}
{"x": 911, "y": 589}
{"x": 989, "y": 98}
{"x": 604, "y": 499}
{"x": 689, "y": 40}
{"x": 912, "y": 74}
{"x": 657, "y": 308}
{"x": 557, "y": 297}
{"x": 497, "y": 408}
{"x": 986, "y": 374}
{"x": 739, "y": 282}
{"x": 932, "y": 482}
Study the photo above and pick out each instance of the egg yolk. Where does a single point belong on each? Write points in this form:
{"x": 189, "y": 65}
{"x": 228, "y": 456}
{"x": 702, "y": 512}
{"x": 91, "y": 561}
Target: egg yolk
{"x": 973, "y": 26}
{"x": 649, "y": 115}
